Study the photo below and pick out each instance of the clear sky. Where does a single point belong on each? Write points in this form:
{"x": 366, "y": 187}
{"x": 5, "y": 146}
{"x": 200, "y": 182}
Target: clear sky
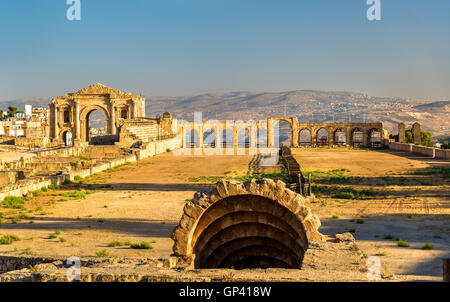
{"x": 185, "y": 47}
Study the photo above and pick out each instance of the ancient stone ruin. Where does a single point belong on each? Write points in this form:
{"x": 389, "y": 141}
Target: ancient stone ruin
{"x": 256, "y": 224}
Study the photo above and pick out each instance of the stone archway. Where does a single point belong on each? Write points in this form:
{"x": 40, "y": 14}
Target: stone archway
{"x": 246, "y": 225}
{"x": 84, "y": 120}
{"x": 72, "y": 109}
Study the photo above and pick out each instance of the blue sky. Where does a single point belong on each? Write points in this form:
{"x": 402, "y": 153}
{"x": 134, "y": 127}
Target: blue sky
{"x": 185, "y": 47}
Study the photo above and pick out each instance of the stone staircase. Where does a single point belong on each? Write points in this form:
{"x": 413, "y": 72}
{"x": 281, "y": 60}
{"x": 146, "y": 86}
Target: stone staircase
{"x": 144, "y": 132}
{"x": 296, "y": 179}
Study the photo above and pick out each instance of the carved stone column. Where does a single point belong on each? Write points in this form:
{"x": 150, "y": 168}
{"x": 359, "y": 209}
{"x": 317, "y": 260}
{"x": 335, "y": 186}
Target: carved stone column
{"x": 401, "y": 133}
{"x": 55, "y": 121}
{"x": 76, "y": 119}
{"x": 113, "y": 118}
{"x": 416, "y": 134}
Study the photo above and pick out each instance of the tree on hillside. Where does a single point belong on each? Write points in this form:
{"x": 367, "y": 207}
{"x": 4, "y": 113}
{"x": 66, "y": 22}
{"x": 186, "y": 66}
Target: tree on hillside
{"x": 425, "y": 138}
{"x": 445, "y": 145}
{"x": 1, "y": 115}
{"x": 12, "y": 111}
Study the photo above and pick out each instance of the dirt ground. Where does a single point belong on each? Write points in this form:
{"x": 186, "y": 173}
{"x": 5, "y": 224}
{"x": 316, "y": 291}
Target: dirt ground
{"x": 144, "y": 201}
{"x": 408, "y": 205}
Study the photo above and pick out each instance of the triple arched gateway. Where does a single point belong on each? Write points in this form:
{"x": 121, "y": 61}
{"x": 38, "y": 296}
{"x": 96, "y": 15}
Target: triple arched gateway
{"x": 270, "y": 133}
{"x": 69, "y": 114}
{"x": 246, "y": 225}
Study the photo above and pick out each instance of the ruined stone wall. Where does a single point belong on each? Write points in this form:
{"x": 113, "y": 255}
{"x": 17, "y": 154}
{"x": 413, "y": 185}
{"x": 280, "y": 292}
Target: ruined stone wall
{"x": 422, "y": 150}
{"x": 442, "y": 154}
{"x": 158, "y": 147}
{"x": 7, "y": 177}
{"x": 426, "y": 151}
{"x": 23, "y": 187}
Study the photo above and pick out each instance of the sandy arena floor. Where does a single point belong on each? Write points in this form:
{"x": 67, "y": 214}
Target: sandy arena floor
{"x": 144, "y": 201}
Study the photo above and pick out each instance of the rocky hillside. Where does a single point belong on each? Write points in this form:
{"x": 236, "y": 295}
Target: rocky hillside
{"x": 309, "y": 106}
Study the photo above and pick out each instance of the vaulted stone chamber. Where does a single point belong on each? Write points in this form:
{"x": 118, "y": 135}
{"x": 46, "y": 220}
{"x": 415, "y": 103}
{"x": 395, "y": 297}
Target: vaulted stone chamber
{"x": 257, "y": 224}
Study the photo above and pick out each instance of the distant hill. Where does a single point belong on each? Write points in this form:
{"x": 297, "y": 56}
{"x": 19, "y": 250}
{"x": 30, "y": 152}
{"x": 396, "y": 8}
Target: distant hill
{"x": 443, "y": 105}
{"x": 307, "y": 105}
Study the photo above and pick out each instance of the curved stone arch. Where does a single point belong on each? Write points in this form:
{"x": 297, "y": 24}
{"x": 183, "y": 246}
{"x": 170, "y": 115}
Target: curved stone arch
{"x": 360, "y": 142}
{"x": 277, "y": 121}
{"x": 261, "y": 137}
{"x": 246, "y": 129}
{"x": 84, "y": 114}
{"x": 110, "y": 101}
{"x": 323, "y": 140}
{"x": 341, "y": 141}
{"x": 63, "y": 130}
{"x": 262, "y": 209}
{"x": 209, "y": 132}
{"x": 194, "y": 136}
{"x": 299, "y": 132}
{"x": 371, "y": 139}
{"x": 62, "y": 134}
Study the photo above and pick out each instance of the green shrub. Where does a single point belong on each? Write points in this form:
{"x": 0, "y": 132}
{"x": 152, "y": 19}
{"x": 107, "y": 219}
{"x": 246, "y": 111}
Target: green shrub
{"x": 168, "y": 150}
{"x": 359, "y": 221}
{"x": 36, "y": 193}
{"x": 54, "y": 235}
{"x": 53, "y": 187}
{"x": 13, "y": 202}
{"x": 142, "y": 245}
{"x": 388, "y": 237}
{"x": 102, "y": 253}
{"x": 428, "y": 246}
{"x": 402, "y": 243}
{"x": 28, "y": 251}
{"x": 115, "y": 243}
{"x": 78, "y": 178}
{"x": 67, "y": 182}
{"x": 9, "y": 239}
{"x": 369, "y": 192}
{"x": 343, "y": 195}
{"x": 335, "y": 217}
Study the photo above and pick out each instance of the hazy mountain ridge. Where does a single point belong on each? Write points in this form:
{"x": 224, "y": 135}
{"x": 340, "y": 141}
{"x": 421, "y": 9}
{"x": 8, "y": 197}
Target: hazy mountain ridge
{"x": 307, "y": 105}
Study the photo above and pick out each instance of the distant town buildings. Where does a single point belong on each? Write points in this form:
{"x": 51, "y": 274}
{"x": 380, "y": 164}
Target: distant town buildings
{"x": 32, "y": 123}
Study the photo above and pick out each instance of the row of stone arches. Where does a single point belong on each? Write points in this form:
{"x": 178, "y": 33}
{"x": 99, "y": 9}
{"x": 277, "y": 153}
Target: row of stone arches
{"x": 304, "y": 137}
{"x": 227, "y": 138}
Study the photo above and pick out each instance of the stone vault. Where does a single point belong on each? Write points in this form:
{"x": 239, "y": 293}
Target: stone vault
{"x": 256, "y": 224}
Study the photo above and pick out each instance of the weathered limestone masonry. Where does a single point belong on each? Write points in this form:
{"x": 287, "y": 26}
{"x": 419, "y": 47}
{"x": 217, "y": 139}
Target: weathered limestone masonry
{"x": 426, "y": 151}
{"x": 70, "y": 113}
{"x": 401, "y": 133}
{"x": 338, "y": 259}
{"x": 244, "y": 225}
{"x": 24, "y": 186}
{"x": 360, "y": 134}
{"x": 402, "y": 146}
{"x": 59, "y": 160}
